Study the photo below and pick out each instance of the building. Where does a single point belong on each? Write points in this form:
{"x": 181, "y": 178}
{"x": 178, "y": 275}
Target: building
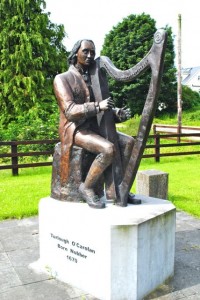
{"x": 191, "y": 78}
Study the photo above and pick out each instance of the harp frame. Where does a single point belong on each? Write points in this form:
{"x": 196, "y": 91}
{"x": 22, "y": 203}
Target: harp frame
{"x": 120, "y": 184}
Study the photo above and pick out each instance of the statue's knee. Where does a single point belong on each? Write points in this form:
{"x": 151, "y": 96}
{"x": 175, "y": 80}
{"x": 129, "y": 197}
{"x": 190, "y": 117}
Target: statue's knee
{"x": 106, "y": 156}
{"x": 109, "y": 153}
{"x": 131, "y": 141}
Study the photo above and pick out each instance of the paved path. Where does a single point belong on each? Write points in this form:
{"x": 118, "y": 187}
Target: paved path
{"x": 19, "y": 247}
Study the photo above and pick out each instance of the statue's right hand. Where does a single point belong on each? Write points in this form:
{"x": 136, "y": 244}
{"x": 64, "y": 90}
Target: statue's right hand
{"x": 106, "y": 104}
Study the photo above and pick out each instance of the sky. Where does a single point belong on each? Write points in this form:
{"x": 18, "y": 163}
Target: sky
{"x": 93, "y": 19}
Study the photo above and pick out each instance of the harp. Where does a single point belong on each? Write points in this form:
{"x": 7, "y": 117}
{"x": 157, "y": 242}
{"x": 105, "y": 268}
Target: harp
{"x": 118, "y": 183}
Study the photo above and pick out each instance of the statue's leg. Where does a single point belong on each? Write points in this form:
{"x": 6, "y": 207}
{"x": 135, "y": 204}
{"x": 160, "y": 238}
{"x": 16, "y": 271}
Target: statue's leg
{"x": 126, "y": 144}
{"x": 104, "y": 155}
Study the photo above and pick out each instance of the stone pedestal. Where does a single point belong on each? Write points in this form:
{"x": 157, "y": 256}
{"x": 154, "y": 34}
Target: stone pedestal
{"x": 114, "y": 253}
{"x": 152, "y": 183}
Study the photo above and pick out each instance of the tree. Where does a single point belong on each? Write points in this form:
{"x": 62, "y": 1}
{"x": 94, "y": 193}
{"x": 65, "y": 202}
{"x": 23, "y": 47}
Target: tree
{"x": 191, "y": 99}
{"x": 126, "y": 44}
{"x": 31, "y": 54}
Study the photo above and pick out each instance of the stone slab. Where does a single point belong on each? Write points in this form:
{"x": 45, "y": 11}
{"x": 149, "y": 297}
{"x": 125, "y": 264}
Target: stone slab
{"x": 23, "y": 257}
{"x": 26, "y": 238}
{"x": 15, "y": 293}
{"x": 8, "y": 279}
{"x": 152, "y": 183}
{"x": 114, "y": 253}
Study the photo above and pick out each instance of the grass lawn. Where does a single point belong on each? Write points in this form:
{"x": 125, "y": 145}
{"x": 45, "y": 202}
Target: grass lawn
{"x": 184, "y": 180}
{"x": 19, "y": 195}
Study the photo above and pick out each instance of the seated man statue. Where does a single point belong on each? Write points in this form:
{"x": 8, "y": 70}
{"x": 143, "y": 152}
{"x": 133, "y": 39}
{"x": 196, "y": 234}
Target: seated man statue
{"x": 87, "y": 122}
{"x": 78, "y": 122}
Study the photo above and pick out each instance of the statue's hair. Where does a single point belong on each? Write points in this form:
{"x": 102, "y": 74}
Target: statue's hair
{"x": 72, "y": 58}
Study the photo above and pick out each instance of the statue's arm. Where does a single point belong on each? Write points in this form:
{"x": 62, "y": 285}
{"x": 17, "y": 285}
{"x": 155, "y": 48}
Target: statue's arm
{"x": 74, "y": 112}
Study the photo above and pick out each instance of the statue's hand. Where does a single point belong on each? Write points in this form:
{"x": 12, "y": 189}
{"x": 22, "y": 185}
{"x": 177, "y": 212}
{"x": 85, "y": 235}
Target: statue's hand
{"x": 106, "y": 104}
{"x": 123, "y": 114}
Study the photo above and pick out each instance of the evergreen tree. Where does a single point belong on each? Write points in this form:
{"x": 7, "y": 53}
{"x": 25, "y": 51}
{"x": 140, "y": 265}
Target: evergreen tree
{"x": 31, "y": 54}
{"x": 126, "y": 44}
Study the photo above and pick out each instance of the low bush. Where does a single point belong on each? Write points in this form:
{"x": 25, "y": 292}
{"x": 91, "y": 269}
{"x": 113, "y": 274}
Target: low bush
{"x": 29, "y": 128}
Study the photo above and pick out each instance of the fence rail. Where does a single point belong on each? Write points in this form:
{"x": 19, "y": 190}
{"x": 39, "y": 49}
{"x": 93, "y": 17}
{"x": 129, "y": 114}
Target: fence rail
{"x": 174, "y": 129}
{"x": 157, "y": 146}
{"x": 14, "y": 154}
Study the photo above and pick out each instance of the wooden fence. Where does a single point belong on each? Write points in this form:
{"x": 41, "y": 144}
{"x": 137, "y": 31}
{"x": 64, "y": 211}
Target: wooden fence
{"x": 157, "y": 146}
{"x": 14, "y": 154}
{"x": 170, "y": 129}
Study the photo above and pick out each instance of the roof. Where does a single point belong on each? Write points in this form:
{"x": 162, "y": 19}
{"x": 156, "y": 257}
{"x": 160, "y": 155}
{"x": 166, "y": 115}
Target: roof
{"x": 189, "y": 73}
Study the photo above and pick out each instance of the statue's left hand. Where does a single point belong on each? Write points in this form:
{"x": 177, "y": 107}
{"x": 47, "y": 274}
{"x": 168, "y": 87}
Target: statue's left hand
{"x": 123, "y": 113}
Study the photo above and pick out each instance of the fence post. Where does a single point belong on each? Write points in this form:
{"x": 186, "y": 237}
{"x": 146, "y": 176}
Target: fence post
{"x": 14, "y": 160}
{"x": 157, "y": 148}
{"x": 154, "y": 128}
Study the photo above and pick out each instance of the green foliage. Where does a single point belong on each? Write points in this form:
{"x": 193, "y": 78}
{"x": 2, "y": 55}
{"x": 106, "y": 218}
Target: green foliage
{"x": 168, "y": 91}
{"x": 190, "y": 98}
{"x": 130, "y": 127}
{"x": 192, "y": 118}
{"x": 126, "y": 44}
{"x": 31, "y": 54}
{"x": 189, "y": 118}
{"x": 30, "y": 127}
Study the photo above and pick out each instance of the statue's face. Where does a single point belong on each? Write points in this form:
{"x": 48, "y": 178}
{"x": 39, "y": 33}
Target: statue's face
{"x": 86, "y": 53}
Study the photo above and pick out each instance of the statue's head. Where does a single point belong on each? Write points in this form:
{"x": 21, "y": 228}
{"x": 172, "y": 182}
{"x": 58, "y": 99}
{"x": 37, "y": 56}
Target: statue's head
{"x": 82, "y": 53}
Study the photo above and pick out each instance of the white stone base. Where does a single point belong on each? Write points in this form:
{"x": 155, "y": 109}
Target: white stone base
{"x": 116, "y": 253}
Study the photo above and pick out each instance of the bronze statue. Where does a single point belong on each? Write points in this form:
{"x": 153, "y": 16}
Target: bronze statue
{"x": 87, "y": 121}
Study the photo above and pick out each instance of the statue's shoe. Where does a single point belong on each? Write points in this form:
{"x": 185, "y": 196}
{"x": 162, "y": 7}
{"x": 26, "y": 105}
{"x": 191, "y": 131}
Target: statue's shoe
{"x": 90, "y": 197}
{"x": 133, "y": 200}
